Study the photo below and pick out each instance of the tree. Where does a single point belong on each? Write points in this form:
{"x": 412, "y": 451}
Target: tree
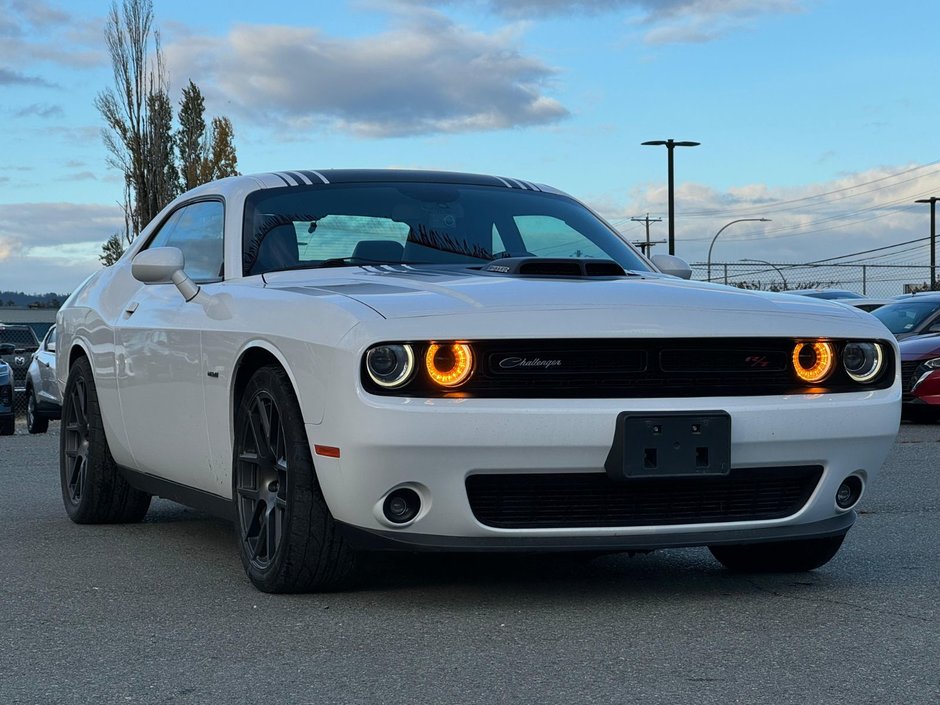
{"x": 190, "y": 138}
{"x": 222, "y": 160}
{"x": 161, "y": 173}
{"x": 136, "y": 111}
{"x": 112, "y": 250}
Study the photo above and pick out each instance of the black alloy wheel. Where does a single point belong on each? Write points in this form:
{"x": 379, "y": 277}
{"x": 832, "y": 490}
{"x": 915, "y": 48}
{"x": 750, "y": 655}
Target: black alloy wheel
{"x": 34, "y": 422}
{"x": 287, "y": 537}
{"x": 93, "y": 490}
{"x": 262, "y": 480}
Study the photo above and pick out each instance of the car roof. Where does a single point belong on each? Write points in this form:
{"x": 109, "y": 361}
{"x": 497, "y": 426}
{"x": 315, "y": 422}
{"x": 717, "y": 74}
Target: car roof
{"x": 308, "y": 177}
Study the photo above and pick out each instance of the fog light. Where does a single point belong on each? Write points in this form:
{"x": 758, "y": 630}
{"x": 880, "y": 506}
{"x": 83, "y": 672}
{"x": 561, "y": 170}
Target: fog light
{"x": 849, "y": 492}
{"x": 401, "y": 506}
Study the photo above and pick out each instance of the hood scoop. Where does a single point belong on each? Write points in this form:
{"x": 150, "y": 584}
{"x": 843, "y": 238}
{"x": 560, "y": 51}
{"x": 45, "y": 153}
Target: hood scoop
{"x": 555, "y": 267}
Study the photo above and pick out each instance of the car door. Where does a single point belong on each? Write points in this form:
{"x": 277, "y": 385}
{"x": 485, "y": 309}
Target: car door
{"x": 47, "y": 391}
{"x": 159, "y": 348}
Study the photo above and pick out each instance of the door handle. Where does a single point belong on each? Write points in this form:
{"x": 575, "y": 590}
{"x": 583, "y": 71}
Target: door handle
{"x": 130, "y": 308}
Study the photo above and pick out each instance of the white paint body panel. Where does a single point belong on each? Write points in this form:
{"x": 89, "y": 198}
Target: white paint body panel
{"x": 165, "y": 377}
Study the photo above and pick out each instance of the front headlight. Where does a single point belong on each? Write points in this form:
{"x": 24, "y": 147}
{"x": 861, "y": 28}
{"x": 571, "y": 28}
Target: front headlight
{"x": 449, "y": 365}
{"x": 863, "y": 361}
{"x": 813, "y": 362}
{"x": 390, "y": 366}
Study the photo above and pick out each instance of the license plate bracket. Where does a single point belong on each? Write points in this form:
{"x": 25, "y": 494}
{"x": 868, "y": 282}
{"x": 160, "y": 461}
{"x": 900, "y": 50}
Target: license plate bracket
{"x": 671, "y": 444}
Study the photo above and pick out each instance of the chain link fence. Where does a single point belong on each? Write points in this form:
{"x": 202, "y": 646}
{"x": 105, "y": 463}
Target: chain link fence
{"x": 874, "y": 280}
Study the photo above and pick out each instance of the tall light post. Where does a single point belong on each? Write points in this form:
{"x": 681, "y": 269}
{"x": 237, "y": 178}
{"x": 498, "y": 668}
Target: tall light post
{"x": 739, "y": 220}
{"x": 769, "y": 264}
{"x": 670, "y": 145}
{"x": 933, "y": 238}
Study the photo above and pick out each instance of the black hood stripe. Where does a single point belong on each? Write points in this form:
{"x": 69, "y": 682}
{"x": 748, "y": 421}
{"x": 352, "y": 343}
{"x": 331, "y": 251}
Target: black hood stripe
{"x": 314, "y": 176}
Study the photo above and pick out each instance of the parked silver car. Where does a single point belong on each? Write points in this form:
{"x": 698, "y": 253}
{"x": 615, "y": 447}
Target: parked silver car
{"x": 42, "y": 393}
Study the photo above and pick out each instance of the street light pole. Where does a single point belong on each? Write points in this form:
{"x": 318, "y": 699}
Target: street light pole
{"x": 739, "y": 220}
{"x": 770, "y": 264}
{"x": 670, "y": 145}
{"x": 933, "y": 238}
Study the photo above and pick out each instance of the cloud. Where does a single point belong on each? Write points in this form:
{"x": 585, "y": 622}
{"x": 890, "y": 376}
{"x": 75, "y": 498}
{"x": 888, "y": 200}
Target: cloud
{"x": 40, "y": 111}
{"x": 664, "y": 21}
{"x": 424, "y": 76}
{"x": 9, "y": 77}
{"x": 24, "y": 226}
{"x": 53, "y": 246}
{"x": 850, "y": 214}
{"x": 32, "y": 30}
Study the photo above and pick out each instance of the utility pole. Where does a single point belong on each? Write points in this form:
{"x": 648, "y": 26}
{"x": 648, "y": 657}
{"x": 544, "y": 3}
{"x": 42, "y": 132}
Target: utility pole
{"x": 933, "y": 238}
{"x": 646, "y": 247}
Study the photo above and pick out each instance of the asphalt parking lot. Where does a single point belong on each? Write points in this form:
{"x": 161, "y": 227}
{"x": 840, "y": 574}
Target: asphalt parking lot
{"x": 160, "y": 612}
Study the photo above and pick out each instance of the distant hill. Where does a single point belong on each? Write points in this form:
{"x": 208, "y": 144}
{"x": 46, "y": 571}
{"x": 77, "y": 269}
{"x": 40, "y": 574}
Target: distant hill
{"x": 20, "y": 300}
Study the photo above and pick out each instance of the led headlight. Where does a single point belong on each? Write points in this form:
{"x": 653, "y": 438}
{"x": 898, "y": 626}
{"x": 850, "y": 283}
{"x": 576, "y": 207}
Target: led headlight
{"x": 449, "y": 365}
{"x": 862, "y": 361}
{"x": 813, "y": 362}
{"x": 390, "y": 366}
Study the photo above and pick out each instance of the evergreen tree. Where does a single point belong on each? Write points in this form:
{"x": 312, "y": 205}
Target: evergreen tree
{"x": 112, "y": 250}
{"x": 222, "y": 160}
{"x": 190, "y": 138}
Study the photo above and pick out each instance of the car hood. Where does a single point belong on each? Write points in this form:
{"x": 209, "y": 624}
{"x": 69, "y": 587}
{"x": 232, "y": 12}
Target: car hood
{"x": 650, "y": 302}
{"x": 920, "y": 346}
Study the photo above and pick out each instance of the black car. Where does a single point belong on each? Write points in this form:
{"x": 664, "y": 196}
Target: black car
{"x": 918, "y": 314}
{"x": 24, "y": 343}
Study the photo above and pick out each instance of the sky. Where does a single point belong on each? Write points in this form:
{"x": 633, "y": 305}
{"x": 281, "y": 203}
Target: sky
{"x": 819, "y": 115}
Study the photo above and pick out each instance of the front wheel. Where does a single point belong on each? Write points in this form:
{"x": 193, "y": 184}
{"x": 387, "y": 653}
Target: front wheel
{"x": 93, "y": 490}
{"x": 778, "y": 556}
{"x": 7, "y": 426}
{"x": 34, "y": 422}
{"x": 287, "y": 537}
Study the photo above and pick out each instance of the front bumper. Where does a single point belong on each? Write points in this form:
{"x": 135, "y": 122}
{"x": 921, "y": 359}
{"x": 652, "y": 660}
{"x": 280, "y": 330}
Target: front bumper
{"x": 433, "y": 445}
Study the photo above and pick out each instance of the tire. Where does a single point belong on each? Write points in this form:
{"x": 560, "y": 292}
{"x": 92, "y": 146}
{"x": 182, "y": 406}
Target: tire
{"x": 778, "y": 556}
{"x": 287, "y": 538}
{"x": 34, "y": 422}
{"x": 8, "y": 426}
{"x": 921, "y": 414}
{"x": 93, "y": 490}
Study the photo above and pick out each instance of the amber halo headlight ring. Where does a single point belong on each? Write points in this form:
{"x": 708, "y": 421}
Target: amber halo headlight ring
{"x": 449, "y": 364}
{"x": 390, "y": 365}
{"x": 813, "y": 360}
{"x": 863, "y": 361}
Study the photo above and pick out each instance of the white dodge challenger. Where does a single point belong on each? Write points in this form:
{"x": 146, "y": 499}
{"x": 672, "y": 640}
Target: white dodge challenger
{"x": 344, "y": 361}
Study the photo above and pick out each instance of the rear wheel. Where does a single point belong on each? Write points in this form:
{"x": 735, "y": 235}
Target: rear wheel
{"x": 93, "y": 490}
{"x": 779, "y": 556}
{"x": 34, "y": 423}
{"x": 287, "y": 537}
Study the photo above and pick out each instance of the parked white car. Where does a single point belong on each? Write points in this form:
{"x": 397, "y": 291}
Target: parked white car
{"x": 347, "y": 360}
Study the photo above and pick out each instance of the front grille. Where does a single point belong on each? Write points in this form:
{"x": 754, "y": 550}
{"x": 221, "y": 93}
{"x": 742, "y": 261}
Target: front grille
{"x": 640, "y": 368}
{"x": 907, "y": 376}
{"x": 581, "y": 500}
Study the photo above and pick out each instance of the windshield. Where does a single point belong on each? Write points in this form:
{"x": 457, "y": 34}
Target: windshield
{"x": 419, "y": 223}
{"x": 905, "y": 317}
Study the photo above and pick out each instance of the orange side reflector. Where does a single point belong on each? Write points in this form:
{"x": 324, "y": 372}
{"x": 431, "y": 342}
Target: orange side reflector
{"x": 327, "y": 451}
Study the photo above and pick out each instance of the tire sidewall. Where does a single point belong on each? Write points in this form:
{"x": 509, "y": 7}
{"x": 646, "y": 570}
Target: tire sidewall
{"x": 99, "y": 455}
{"x": 301, "y": 477}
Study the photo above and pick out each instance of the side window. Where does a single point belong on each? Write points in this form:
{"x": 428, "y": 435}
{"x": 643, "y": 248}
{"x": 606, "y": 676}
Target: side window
{"x": 50, "y": 339}
{"x": 197, "y": 231}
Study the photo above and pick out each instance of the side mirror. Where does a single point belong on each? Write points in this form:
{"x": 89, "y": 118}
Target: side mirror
{"x": 50, "y": 346}
{"x": 670, "y": 264}
{"x": 164, "y": 265}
